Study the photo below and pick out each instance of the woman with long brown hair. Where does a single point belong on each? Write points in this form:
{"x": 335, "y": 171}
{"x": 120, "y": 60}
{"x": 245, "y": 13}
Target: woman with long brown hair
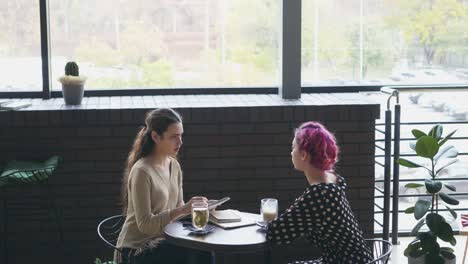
{"x": 152, "y": 194}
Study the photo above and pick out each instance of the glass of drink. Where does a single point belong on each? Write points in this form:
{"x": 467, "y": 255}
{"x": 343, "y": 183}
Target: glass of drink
{"x": 200, "y": 215}
{"x": 269, "y": 209}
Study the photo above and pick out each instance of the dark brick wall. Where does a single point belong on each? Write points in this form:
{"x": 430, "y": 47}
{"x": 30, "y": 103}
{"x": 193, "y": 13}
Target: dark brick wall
{"x": 241, "y": 152}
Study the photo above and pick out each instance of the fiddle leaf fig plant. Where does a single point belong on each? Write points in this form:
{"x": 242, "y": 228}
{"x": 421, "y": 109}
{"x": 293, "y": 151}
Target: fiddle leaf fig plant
{"x": 432, "y": 147}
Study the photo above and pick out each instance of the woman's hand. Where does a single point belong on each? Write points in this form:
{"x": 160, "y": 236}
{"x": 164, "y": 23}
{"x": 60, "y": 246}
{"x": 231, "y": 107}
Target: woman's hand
{"x": 186, "y": 209}
{"x": 196, "y": 199}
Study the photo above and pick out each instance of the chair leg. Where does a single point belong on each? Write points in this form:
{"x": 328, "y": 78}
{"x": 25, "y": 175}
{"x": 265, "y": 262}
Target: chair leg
{"x": 267, "y": 256}
{"x": 57, "y": 218}
{"x": 5, "y": 228}
{"x": 58, "y": 224}
{"x": 217, "y": 258}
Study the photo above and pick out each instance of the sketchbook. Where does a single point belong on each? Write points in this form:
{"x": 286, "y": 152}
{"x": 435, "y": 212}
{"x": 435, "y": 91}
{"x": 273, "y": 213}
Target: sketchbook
{"x": 225, "y": 216}
{"x": 246, "y": 220}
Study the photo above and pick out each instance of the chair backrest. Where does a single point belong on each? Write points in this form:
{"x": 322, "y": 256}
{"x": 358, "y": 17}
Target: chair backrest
{"x": 381, "y": 250}
{"x": 109, "y": 230}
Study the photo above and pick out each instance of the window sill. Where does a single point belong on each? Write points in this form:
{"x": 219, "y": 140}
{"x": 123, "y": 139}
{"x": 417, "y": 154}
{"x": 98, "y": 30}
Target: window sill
{"x": 198, "y": 101}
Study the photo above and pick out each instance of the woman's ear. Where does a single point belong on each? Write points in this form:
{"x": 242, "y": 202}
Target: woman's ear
{"x": 155, "y": 136}
{"x": 304, "y": 155}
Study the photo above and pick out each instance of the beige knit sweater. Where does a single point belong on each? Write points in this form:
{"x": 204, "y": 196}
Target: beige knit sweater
{"x": 152, "y": 194}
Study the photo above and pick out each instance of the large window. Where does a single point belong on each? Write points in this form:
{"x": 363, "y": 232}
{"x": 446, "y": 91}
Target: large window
{"x": 20, "y": 47}
{"x": 381, "y": 42}
{"x": 167, "y": 44}
{"x": 143, "y": 44}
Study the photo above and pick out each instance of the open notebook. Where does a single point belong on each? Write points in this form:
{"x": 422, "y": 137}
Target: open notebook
{"x": 229, "y": 219}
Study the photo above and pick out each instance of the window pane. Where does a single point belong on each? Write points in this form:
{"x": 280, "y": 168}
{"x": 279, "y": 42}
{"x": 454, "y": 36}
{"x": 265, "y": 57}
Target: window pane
{"x": 167, "y": 44}
{"x": 378, "y": 42}
{"x": 20, "y": 46}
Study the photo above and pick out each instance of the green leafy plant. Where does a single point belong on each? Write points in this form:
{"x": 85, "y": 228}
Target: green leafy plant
{"x": 432, "y": 146}
{"x": 98, "y": 261}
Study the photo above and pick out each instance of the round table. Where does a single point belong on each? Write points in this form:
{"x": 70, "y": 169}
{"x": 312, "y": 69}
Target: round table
{"x": 219, "y": 241}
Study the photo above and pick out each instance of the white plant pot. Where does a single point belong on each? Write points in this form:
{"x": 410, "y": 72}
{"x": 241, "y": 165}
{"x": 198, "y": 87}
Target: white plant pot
{"x": 73, "y": 93}
{"x": 421, "y": 260}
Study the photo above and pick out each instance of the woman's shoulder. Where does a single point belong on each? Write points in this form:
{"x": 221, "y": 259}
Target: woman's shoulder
{"x": 141, "y": 167}
{"x": 175, "y": 164}
{"x": 338, "y": 185}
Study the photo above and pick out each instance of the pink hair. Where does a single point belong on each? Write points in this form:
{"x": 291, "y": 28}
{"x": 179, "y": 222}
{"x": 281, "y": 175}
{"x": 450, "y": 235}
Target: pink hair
{"x": 320, "y": 143}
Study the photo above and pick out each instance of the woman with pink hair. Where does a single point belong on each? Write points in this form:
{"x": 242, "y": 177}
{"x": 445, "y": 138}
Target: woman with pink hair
{"x": 322, "y": 213}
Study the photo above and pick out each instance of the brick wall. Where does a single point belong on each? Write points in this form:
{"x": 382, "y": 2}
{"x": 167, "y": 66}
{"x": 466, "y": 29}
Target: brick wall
{"x": 241, "y": 152}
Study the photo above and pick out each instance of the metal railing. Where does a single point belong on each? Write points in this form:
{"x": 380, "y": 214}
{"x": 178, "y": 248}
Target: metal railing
{"x": 391, "y": 167}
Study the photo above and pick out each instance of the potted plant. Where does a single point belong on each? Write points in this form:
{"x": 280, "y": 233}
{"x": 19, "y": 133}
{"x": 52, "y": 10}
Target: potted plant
{"x": 425, "y": 248}
{"x": 98, "y": 261}
{"x": 72, "y": 84}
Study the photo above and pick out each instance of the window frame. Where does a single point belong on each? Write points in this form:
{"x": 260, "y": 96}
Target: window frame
{"x": 289, "y": 86}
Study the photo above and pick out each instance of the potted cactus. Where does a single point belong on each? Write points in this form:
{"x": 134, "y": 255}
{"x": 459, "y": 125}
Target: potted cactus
{"x": 72, "y": 84}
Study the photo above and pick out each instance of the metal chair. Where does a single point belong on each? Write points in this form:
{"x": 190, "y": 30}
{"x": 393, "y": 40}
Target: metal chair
{"x": 18, "y": 173}
{"x": 381, "y": 250}
{"x": 109, "y": 230}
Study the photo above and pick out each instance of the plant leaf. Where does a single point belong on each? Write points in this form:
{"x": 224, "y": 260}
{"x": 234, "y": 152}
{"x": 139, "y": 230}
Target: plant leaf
{"x": 408, "y": 163}
{"x": 448, "y": 199}
{"x": 452, "y": 212}
{"x": 429, "y": 242}
{"x": 447, "y": 249}
{"x": 421, "y": 207}
{"x": 445, "y": 232}
{"x": 436, "y": 132}
{"x": 418, "y": 133}
{"x": 427, "y": 147}
{"x": 450, "y": 187}
{"x": 447, "y": 137}
{"x": 453, "y": 242}
{"x": 412, "y": 247}
{"x": 447, "y": 255}
{"x": 409, "y": 210}
{"x": 446, "y": 152}
{"x": 446, "y": 165}
{"x": 417, "y": 227}
{"x": 433, "y": 186}
{"x": 414, "y": 185}
{"x": 412, "y": 145}
{"x": 434, "y": 222}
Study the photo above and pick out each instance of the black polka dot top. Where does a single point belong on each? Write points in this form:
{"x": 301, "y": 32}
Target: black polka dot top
{"x": 322, "y": 214}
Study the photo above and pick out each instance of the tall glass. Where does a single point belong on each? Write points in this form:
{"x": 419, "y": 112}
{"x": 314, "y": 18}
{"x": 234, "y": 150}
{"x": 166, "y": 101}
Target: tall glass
{"x": 200, "y": 215}
{"x": 269, "y": 209}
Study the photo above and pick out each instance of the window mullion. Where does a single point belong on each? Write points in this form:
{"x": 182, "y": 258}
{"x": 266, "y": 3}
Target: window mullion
{"x": 45, "y": 48}
{"x": 290, "y": 49}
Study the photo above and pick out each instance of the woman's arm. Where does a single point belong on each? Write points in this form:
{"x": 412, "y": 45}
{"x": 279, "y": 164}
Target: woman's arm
{"x": 140, "y": 195}
{"x": 291, "y": 224}
{"x": 180, "y": 200}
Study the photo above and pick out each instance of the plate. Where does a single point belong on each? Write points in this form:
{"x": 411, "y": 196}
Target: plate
{"x": 206, "y": 230}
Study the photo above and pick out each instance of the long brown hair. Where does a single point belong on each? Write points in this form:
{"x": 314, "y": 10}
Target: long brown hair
{"x": 157, "y": 120}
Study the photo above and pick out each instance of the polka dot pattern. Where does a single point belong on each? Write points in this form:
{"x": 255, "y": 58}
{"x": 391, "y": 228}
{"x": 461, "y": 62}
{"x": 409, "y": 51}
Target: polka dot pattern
{"x": 322, "y": 215}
